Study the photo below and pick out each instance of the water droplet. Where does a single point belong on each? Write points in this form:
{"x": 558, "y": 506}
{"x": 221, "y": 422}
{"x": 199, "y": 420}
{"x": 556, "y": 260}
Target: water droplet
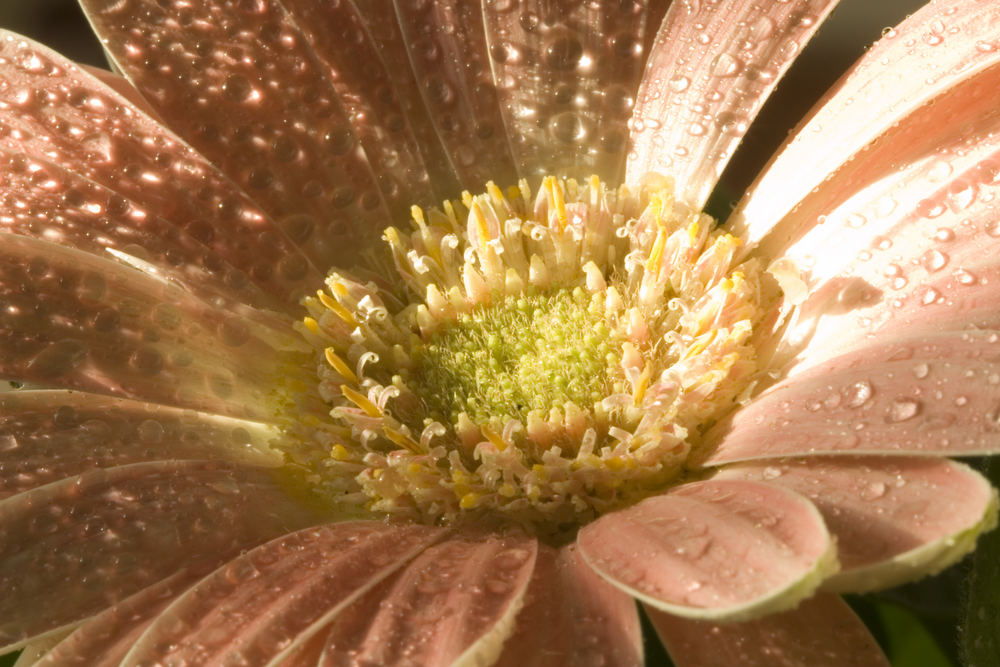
{"x": 921, "y": 371}
{"x": 903, "y": 409}
{"x": 679, "y": 83}
{"x": 859, "y": 393}
{"x": 934, "y": 260}
{"x": 726, "y": 65}
{"x": 874, "y": 491}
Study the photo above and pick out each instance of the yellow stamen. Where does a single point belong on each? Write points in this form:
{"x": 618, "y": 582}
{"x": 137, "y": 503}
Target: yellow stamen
{"x": 361, "y": 401}
{"x": 336, "y": 308}
{"x": 494, "y": 438}
{"x": 311, "y": 324}
{"x": 339, "y": 365}
{"x": 401, "y": 439}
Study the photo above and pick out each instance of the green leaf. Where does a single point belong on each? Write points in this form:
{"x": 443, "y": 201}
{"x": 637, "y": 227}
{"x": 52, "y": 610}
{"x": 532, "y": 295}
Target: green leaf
{"x": 980, "y": 638}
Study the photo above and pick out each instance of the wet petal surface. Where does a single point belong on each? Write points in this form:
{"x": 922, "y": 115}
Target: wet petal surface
{"x": 716, "y": 549}
{"x": 75, "y": 547}
{"x": 820, "y": 632}
{"x": 895, "y": 519}
{"x": 453, "y": 605}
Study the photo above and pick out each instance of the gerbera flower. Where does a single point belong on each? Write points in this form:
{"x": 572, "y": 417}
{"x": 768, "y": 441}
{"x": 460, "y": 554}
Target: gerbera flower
{"x": 294, "y": 394}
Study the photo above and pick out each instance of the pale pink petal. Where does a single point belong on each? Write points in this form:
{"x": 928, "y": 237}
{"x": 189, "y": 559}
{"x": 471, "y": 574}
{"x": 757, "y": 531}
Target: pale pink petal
{"x": 447, "y": 48}
{"x": 723, "y": 549}
{"x": 44, "y": 201}
{"x": 46, "y": 436}
{"x": 78, "y": 546}
{"x": 895, "y": 519}
{"x": 257, "y": 606}
{"x": 573, "y": 617}
{"x": 939, "y": 46}
{"x": 103, "y": 640}
{"x": 53, "y": 109}
{"x": 75, "y": 321}
{"x": 337, "y": 34}
{"x": 241, "y": 84}
{"x": 710, "y": 69}
{"x": 566, "y": 76}
{"x": 821, "y": 632}
{"x": 454, "y": 604}
{"x": 937, "y": 394}
{"x": 913, "y": 225}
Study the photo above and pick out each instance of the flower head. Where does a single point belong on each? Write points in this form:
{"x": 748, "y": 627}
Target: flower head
{"x": 394, "y": 333}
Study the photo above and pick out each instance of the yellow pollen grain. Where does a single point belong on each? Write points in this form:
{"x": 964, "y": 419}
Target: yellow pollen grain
{"x": 693, "y": 230}
{"x": 339, "y": 365}
{"x": 339, "y": 453}
{"x": 469, "y": 500}
{"x": 361, "y": 401}
{"x": 494, "y": 438}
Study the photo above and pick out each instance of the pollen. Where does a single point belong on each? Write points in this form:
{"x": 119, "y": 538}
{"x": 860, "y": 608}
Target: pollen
{"x": 540, "y": 358}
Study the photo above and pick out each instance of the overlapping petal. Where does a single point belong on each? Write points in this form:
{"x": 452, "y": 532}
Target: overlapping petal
{"x": 727, "y": 549}
{"x": 566, "y": 77}
{"x": 788, "y": 639}
{"x": 711, "y": 67}
{"x": 103, "y": 137}
{"x": 895, "y": 519}
{"x": 47, "y": 436}
{"x": 74, "y": 547}
{"x": 945, "y": 42}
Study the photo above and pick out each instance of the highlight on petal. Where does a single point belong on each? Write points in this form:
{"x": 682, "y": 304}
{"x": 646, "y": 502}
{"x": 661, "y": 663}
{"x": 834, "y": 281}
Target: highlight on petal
{"x": 242, "y": 85}
{"x": 76, "y": 321}
{"x": 101, "y": 136}
{"x": 821, "y": 632}
{"x": 448, "y": 50}
{"x": 75, "y": 547}
{"x": 726, "y": 549}
{"x": 936, "y": 48}
{"x": 710, "y": 69}
{"x": 923, "y": 395}
{"x": 455, "y": 604}
{"x": 895, "y": 519}
{"x": 573, "y": 617}
{"x": 46, "y": 436}
{"x": 260, "y": 605}
{"x": 566, "y": 78}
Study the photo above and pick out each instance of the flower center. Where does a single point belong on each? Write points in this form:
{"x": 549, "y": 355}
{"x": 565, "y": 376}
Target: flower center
{"x": 525, "y": 352}
{"x": 541, "y": 358}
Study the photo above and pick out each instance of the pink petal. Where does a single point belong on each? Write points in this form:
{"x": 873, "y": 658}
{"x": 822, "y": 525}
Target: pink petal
{"x": 711, "y": 67}
{"x": 454, "y": 604}
{"x": 936, "y": 394}
{"x": 566, "y": 77}
{"x": 448, "y": 51}
{"x": 255, "y": 607}
{"x": 337, "y": 34}
{"x": 937, "y": 47}
{"x": 821, "y": 632}
{"x": 78, "y": 546}
{"x": 46, "y": 436}
{"x": 573, "y": 617}
{"x": 914, "y": 224}
{"x": 52, "y": 108}
{"x": 44, "y": 201}
{"x": 241, "y": 84}
{"x": 76, "y": 321}
{"x": 715, "y": 549}
{"x": 895, "y": 519}
{"x": 103, "y": 640}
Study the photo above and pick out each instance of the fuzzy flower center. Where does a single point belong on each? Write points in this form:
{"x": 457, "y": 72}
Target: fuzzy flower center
{"x": 526, "y": 352}
{"x": 540, "y": 358}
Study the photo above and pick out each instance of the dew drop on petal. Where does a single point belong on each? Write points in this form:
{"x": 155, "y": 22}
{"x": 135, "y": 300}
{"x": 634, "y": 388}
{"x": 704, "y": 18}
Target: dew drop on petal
{"x": 903, "y": 409}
